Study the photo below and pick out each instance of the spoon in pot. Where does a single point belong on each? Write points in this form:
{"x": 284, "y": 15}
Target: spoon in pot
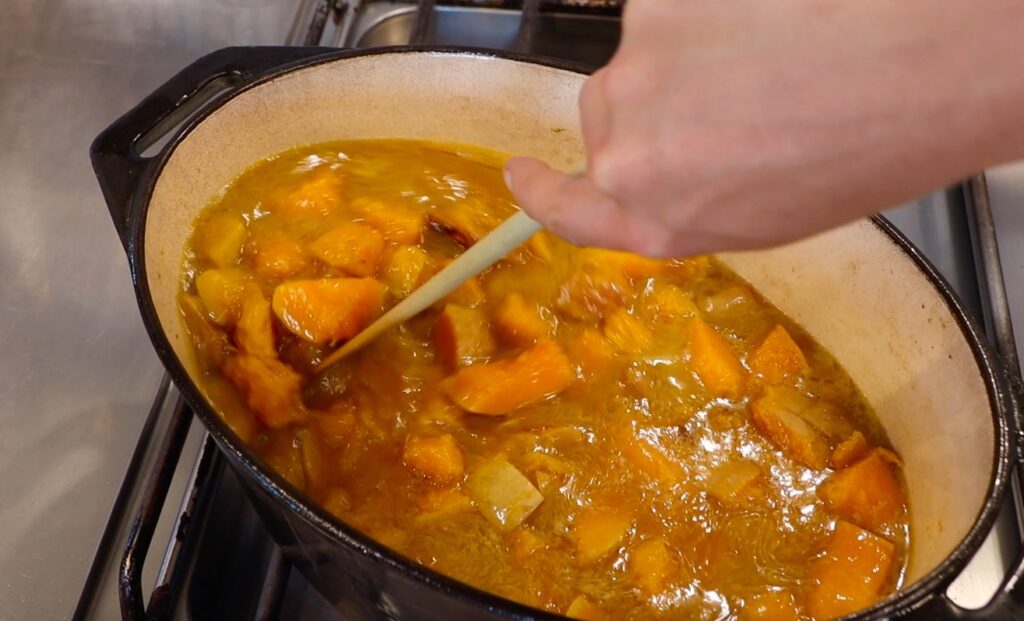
{"x": 487, "y": 251}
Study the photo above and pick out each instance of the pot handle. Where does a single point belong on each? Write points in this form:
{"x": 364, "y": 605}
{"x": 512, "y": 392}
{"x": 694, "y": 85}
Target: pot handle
{"x": 116, "y": 153}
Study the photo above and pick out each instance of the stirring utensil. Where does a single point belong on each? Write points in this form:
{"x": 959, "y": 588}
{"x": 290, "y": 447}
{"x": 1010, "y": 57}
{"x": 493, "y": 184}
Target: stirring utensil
{"x": 487, "y": 251}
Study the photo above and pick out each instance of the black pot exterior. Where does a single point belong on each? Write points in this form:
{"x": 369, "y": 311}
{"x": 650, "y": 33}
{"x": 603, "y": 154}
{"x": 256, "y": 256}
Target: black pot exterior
{"x": 363, "y": 579}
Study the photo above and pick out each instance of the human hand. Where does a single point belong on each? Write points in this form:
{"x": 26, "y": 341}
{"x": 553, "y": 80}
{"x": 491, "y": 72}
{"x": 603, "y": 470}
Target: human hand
{"x": 743, "y": 124}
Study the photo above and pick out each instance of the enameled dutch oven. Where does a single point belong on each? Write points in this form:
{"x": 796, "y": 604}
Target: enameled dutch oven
{"x": 863, "y": 291}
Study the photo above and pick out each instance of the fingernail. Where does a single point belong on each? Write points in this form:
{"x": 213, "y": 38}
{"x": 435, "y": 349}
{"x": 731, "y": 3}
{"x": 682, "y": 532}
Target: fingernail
{"x": 508, "y": 178}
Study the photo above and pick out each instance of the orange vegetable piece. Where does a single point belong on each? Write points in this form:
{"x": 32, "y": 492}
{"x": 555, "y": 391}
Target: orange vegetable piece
{"x": 849, "y": 450}
{"x": 594, "y": 353}
{"x": 443, "y": 503}
{"x": 320, "y": 194}
{"x": 503, "y": 386}
{"x": 866, "y": 493}
{"x": 470, "y": 293}
{"x": 336, "y": 425}
{"x": 632, "y": 265}
{"x": 277, "y": 255}
{"x": 524, "y": 542}
{"x": 519, "y": 323}
{"x": 778, "y": 357}
{"x": 590, "y": 290}
{"x": 254, "y": 332}
{"x": 651, "y": 566}
{"x": 651, "y": 460}
{"x": 671, "y": 303}
{"x": 327, "y": 310}
{"x": 599, "y": 531}
{"x": 737, "y": 483}
{"x": 405, "y": 270}
{"x": 221, "y": 293}
{"x": 714, "y": 361}
{"x": 270, "y": 387}
{"x": 774, "y": 605}
{"x": 775, "y": 417}
{"x": 398, "y": 224}
{"x": 354, "y": 248}
{"x": 627, "y": 332}
{"x": 437, "y": 457}
{"x": 851, "y": 574}
{"x": 462, "y": 336}
{"x": 583, "y": 608}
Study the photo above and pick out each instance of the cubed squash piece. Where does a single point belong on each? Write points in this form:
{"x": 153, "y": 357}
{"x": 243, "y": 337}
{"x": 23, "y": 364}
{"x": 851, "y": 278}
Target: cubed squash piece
{"x": 436, "y": 457}
{"x": 443, "y": 503}
{"x": 773, "y": 605}
{"x": 849, "y": 450}
{"x": 867, "y": 493}
{"x": 851, "y": 575}
{"x": 593, "y": 352}
{"x": 738, "y": 483}
{"x": 462, "y": 336}
{"x": 502, "y": 494}
{"x": 500, "y": 387}
{"x": 632, "y": 265}
{"x": 519, "y": 323}
{"x": 354, "y": 248}
{"x": 220, "y": 239}
{"x": 773, "y": 414}
{"x": 464, "y": 221}
{"x": 647, "y": 458}
{"x": 626, "y": 332}
{"x": 583, "y": 608}
{"x": 270, "y": 387}
{"x": 398, "y": 224}
{"x": 329, "y": 309}
{"x": 276, "y": 255}
{"x": 254, "y": 332}
{"x": 590, "y": 290}
{"x": 221, "y": 292}
{"x": 714, "y": 361}
{"x": 405, "y": 270}
{"x": 652, "y": 565}
{"x": 319, "y": 194}
{"x": 524, "y": 543}
{"x": 598, "y": 531}
{"x": 670, "y": 303}
{"x": 470, "y": 294}
{"x": 778, "y": 357}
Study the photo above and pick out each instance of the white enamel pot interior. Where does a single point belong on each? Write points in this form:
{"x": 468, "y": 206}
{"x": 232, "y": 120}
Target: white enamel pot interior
{"x": 857, "y": 290}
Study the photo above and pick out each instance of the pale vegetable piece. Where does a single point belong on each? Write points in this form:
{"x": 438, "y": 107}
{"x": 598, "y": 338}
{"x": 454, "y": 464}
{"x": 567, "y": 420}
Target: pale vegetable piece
{"x": 327, "y": 310}
{"x": 313, "y": 463}
{"x": 405, "y": 270}
{"x": 436, "y": 457}
{"x": 500, "y": 387}
{"x": 276, "y": 255}
{"x": 212, "y": 344}
{"x": 503, "y": 494}
{"x": 867, "y": 493}
{"x": 774, "y": 415}
{"x": 519, "y": 323}
{"x": 219, "y": 239}
{"x": 469, "y": 294}
{"x": 254, "y": 331}
{"x": 583, "y": 608}
{"x": 849, "y": 450}
{"x": 398, "y": 224}
{"x": 319, "y": 194}
{"x": 443, "y": 503}
{"x": 778, "y": 357}
{"x": 649, "y": 459}
{"x": 597, "y": 532}
{"x": 353, "y": 248}
{"x": 714, "y": 361}
{"x": 593, "y": 352}
{"x": 851, "y": 575}
{"x": 773, "y": 605}
{"x": 627, "y": 332}
{"x": 221, "y": 292}
{"x": 738, "y": 483}
{"x": 652, "y": 565}
{"x": 270, "y": 387}
{"x": 462, "y": 336}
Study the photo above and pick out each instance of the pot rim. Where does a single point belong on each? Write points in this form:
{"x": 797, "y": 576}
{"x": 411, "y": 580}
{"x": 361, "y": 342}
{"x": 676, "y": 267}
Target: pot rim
{"x": 896, "y": 604}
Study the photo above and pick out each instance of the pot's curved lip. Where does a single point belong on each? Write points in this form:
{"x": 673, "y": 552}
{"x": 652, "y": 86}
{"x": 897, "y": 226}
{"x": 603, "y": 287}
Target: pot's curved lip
{"x": 297, "y": 502}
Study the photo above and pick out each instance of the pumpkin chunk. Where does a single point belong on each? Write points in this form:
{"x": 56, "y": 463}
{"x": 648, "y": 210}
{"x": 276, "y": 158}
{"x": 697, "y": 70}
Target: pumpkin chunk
{"x": 354, "y": 248}
{"x": 775, "y": 605}
{"x": 503, "y": 494}
{"x": 599, "y": 531}
{"x": 627, "y": 332}
{"x": 519, "y": 323}
{"x": 501, "y": 387}
{"x": 221, "y": 293}
{"x": 714, "y": 361}
{"x": 443, "y": 503}
{"x": 866, "y": 493}
{"x": 738, "y": 483}
{"x": 524, "y": 542}
{"x": 849, "y": 450}
{"x": 778, "y": 357}
{"x": 773, "y": 414}
{"x": 405, "y": 270}
{"x": 632, "y": 265}
{"x": 651, "y": 566}
{"x": 320, "y": 194}
{"x": 462, "y": 336}
{"x": 851, "y": 574}
{"x": 671, "y": 303}
{"x": 327, "y": 310}
{"x": 651, "y": 460}
{"x": 593, "y": 352}
{"x": 255, "y": 332}
{"x": 437, "y": 457}
{"x": 270, "y": 387}
{"x": 219, "y": 239}
{"x": 399, "y": 225}
{"x": 276, "y": 255}
{"x": 583, "y": 608}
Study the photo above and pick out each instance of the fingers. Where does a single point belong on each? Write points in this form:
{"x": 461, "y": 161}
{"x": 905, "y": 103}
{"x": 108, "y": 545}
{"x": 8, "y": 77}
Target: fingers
{"x": 595, "y": 119}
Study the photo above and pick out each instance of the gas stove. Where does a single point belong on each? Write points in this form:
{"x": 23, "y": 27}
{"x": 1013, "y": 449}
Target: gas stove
{"x": 183, "y": 542}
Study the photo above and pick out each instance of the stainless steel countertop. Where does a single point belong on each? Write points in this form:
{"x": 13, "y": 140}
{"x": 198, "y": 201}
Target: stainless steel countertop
{"x": 77, "y": 374}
